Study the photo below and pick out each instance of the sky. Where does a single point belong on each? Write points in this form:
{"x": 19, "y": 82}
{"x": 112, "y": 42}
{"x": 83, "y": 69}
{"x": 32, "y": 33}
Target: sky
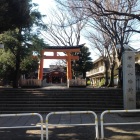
{"x": 46, "y": 5}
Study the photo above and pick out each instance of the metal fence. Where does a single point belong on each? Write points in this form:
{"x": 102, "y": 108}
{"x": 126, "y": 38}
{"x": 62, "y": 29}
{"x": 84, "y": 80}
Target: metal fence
{"x": 115, "y": 111}
{"x": 72, "y": 112}
{"x": 24, "y": 114}
{"x": 96, "y": 123}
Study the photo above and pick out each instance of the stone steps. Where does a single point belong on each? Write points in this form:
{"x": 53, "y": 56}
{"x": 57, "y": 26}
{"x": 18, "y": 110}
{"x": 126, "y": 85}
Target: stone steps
{"x": 61, "y": 105}
{"x": 42, "y": 101}
{"x": 58, "y": 102}
{"x": 50, "y": 109}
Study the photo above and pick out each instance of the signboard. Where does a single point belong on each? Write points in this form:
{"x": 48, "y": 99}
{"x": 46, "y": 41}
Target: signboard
{"x": 129, "y": 80}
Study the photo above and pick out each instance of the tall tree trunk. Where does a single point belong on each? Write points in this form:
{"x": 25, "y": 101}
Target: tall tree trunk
{"x": 84, "y": 74}
{"x": 106, "y": 72}
{"x": 111, "y": 83}
{"x": 17, "y": 71}
{"x": 120, "y": 77}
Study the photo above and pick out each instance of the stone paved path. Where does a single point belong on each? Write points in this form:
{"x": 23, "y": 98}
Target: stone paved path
{"x": 125, "y": 132}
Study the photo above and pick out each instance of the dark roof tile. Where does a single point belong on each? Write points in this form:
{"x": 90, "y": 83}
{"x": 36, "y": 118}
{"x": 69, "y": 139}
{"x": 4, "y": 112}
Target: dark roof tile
{"x": 65, "y": 47}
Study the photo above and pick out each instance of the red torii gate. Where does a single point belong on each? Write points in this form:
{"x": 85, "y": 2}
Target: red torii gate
{"x": 68, "y": 57}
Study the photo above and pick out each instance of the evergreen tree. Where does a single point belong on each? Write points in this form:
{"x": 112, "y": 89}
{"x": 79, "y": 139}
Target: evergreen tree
{"x": 20, "y": 40}
{"x": 15, "y": 14}
{"x": 6, "y": 66}
{"x": 21, "y": 48}
{"x": 84, "y": 63}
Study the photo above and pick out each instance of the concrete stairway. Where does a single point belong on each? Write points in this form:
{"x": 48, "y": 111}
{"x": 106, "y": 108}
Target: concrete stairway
{"x": 48, "y": 100}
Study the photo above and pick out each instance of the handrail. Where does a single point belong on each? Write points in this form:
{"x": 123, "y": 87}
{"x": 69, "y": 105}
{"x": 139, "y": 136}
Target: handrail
{"x": 73, "y": 112}
{"x": 114, "y": 111}
{"x": 24, "y": 114}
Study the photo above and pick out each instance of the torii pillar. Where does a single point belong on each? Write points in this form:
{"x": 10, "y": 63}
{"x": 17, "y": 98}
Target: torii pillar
{"x": 68, "y": 58}
{"x": 40, "y": 69}
{"x": 69, "y": 74}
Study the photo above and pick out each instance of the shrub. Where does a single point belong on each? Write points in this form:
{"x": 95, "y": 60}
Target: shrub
{"x": 102, "y": 82}
{"x": 88, "y": 82}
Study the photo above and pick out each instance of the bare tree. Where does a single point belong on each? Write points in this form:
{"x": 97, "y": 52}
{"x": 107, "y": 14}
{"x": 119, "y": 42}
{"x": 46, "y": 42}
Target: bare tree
{"x": 102, "y": 43}
{"x": 61, "y": 30}
{"x": 103, "y": 8}
{"x": 115, "y": 18}
{"x": 115, "y": 32}
{"x": 115, "y": 27}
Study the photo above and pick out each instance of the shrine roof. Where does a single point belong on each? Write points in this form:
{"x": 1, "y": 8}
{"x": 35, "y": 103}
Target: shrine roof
{"x": 65, "y": 47}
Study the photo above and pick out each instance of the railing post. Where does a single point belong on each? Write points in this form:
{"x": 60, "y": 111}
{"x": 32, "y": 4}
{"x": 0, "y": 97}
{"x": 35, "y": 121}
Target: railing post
{"x": 73, "y": 112}
{"x": 102, "y": 123}
{"x": 24, "y": 114}
{"x": 115, "y": 111}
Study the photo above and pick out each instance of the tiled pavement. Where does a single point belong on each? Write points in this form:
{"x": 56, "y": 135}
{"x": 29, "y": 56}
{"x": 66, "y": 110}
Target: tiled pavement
{"x": 118, "y": 132}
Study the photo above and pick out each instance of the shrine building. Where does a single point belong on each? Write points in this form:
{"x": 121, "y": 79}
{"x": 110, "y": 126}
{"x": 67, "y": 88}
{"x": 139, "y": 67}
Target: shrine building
{"x": 55, "y": 74}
